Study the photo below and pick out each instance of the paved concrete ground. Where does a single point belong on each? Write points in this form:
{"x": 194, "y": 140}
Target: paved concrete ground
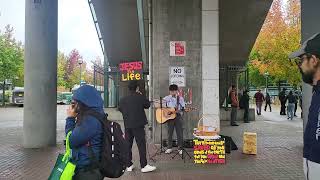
{"x": 279, "y": 153}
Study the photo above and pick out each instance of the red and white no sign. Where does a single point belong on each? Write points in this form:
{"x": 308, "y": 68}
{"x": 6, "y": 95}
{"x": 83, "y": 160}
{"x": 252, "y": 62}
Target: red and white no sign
{"x": 177, "y": 48}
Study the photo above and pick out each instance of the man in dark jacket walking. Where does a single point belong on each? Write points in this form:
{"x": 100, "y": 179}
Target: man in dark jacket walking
{"x": 244, "y": 103}
{"x": 268, "y": 102}
{"x": 132, "y": 108}
{"x": 282, "y": 98}
{"x": 291, "y": 98}
{"x": 309, "y": 64}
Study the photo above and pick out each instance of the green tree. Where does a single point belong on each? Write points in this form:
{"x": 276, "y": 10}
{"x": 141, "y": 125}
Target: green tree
{"x": 69, "y": 69}
{"x": 279, "y": 36}
{"x": 61, "y": 71}
{"x": 88, "y": 76}
{"x": 73, "y": 69}
{"x": 11, "y": 58}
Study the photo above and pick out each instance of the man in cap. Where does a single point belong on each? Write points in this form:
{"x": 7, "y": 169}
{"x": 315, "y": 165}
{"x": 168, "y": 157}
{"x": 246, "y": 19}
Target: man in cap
{"x": 307, "y": 59}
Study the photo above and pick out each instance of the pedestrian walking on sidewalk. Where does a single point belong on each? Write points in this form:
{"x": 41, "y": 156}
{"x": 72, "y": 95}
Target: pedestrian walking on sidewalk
{"x": 296, "y": 94}
{"x": 87, "y": 132}
{"x": 259, "y": 100}
{"x": 244, "y": 104}
{"x": 282, "y": 98}
{"x": 308, "y": 61}
{"x": 291, "y": 105}
{"x": 132, "y": 108}
{"x": 234, "y": 105}
{"x": 268, "y": 102}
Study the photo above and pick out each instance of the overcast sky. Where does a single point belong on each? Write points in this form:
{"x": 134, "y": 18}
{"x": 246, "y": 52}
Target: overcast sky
{"x": 76, "y": 27}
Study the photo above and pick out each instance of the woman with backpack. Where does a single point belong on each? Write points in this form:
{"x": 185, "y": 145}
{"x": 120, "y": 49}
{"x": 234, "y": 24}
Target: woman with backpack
{"x": 87, "y": 132}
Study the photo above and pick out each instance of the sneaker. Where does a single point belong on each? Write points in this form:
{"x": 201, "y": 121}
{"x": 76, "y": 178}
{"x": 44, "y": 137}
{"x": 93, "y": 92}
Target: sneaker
{"x": 148, "y": 168}
{"x": 168, "y": 151}
{"x": 180, "y": 152}
{"x": 130, "y": 169}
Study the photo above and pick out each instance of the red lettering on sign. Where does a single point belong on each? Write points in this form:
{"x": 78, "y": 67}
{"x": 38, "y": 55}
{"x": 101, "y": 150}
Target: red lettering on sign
{"x": 179, "y": 49}
{"x": 201, "y": 147}
{"x": 129, "y": 66}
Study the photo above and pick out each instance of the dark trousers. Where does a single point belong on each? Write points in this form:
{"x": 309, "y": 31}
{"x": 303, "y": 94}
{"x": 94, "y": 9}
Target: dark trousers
{"x": 283, "y": 108}
{"x": 140, "y": 135}
{"x": 246, "y": 114}
{"x": 268, "y": 104}
{"x": 295, "y": 109}
{"x": 175, "y": 124}
{"x": 233, "y": 115}
{"x": 93, "y": 174}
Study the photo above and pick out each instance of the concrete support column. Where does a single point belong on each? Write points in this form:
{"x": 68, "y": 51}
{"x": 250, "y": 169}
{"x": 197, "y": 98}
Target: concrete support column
{"x": 177, "y": 20}
{"x": 210, "y": 63}
{"x": 40, "y": 106}
{"x": 310, "y": 15}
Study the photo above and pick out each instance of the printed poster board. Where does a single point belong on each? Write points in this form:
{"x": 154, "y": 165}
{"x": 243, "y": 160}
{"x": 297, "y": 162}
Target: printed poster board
{"x": 209, "y": 151}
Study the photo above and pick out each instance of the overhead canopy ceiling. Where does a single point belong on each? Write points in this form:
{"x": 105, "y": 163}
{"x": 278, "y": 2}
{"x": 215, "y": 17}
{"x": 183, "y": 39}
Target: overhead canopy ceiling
{"x": 119, "y": 27}
{"x": 240, "y": 22}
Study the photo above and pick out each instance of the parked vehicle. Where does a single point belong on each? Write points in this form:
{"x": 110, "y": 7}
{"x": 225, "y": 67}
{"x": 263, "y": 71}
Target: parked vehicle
{"x": 64, "y": 97}
{"x": 18, "y": 96}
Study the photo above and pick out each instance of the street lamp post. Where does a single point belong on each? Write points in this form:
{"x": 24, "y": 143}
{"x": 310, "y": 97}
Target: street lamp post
{"x": 266, "y": 74}
{"x": 80, "y": 63}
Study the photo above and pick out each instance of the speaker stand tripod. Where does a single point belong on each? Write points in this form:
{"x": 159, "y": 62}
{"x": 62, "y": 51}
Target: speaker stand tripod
{"x": 161, "y": 149}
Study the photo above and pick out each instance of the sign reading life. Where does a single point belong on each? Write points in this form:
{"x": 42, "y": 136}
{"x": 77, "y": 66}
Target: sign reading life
{"x": 131, "y": 71}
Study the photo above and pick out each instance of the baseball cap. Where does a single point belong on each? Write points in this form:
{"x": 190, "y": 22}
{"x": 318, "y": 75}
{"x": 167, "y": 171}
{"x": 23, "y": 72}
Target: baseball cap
{"x": 310, "y": 46}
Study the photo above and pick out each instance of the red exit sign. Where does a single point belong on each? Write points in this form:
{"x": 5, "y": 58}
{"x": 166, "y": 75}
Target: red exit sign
{"x": 131, "y": 71}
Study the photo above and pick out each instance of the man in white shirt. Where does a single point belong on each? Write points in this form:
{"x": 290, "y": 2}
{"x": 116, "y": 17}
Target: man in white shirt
{"x": 175, "y": 101}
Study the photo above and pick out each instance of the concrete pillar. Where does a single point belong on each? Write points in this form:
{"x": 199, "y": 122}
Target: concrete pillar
{"x": 177, "y": 20}
{"x": 40, "y": 106}
{"x": 310, "y": 15}
{"x": 210, "y": 63}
